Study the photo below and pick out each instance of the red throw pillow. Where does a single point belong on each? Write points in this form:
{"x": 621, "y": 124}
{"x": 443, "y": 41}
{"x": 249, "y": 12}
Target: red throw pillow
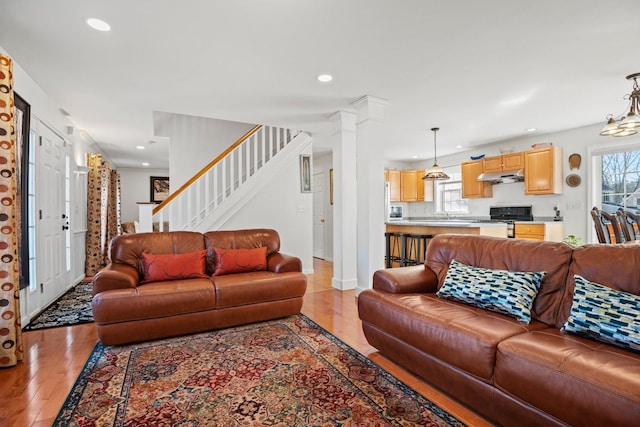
{"x": 229, "y": 261}
{"x": 158, "y": 268}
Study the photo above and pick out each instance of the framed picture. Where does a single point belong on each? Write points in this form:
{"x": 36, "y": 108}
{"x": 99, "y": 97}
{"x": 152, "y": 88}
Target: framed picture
{"x": 305, "y": 173}
{"x": 331, "y": 185}
{"x": 159, "y": 188}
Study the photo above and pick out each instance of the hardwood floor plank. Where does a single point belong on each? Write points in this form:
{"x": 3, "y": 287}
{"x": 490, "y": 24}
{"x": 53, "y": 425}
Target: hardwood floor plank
{"x": 54, "y": 358}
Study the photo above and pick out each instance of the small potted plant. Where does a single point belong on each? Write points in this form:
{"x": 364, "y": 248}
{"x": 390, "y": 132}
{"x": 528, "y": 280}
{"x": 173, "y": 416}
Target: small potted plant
{"x": 572, "y": 240}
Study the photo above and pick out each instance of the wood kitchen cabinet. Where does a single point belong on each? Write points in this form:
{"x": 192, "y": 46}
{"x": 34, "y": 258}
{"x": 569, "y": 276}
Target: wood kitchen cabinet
{"x": 505, "y": 162}
{"x": 413, "y": 188}
{"x": 543, "y": 171}
{"x": 529, "y": 231}
{"x": 393, "y": 178}
{"x": 471, "y": 187}
{"x": 549, "y": 231}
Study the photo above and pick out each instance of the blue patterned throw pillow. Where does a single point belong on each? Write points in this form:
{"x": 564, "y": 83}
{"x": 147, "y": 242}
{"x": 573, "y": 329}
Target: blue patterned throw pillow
{"x": 503, "y": 291}
{"x": 604, "y": 314}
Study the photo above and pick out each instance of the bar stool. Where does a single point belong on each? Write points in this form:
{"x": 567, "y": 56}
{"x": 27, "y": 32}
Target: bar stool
{"x": 416, "y": 247}
{"x": 395, "y": 247}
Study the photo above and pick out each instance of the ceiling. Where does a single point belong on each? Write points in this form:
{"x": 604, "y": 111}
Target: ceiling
{"x": 483, "y": 71}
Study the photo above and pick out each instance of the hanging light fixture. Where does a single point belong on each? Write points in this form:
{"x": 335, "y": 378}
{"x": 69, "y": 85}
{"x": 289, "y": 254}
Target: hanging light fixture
{"x": 435, "y": 173}
{"x": 628, "y": 125}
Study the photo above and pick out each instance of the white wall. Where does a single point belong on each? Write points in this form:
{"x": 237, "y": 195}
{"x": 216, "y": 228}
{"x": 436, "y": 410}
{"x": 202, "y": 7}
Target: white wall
{"x": 134, "y": 184}
{"x": 285, "y": 209}
{"x": 574, "y": 203}
{"x": 194, "y": 142}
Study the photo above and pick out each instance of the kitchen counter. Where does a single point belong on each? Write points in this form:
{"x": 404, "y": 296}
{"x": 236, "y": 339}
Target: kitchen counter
{"x": 430, "y": 227}
{"x": 447, "y": 223}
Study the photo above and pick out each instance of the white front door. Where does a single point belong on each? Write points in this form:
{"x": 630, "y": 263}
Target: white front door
{"x": 53, "y": 274}
{"x": 318, "y": 215}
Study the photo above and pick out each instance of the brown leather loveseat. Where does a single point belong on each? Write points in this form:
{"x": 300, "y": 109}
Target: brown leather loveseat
{"x": 511, "y": 372}
{"x": 159, "y": 285}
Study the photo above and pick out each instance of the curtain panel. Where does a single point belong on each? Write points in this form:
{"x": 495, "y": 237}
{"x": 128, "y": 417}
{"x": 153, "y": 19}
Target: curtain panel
{"x": 11, "y": 350}
{"x": 103, "y": 212}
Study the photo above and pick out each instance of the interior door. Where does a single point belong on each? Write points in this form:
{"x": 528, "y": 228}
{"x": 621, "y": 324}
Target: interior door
{"x": 317, "y": 187}
{"x": 51, "y": 218}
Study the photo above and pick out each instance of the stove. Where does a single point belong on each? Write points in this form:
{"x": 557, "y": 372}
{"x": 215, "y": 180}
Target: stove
{"x": 509, "y": 215}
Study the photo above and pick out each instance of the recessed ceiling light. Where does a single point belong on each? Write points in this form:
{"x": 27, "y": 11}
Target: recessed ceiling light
{"x": 325, "y": 78}
{"x": 414, "y": 157}
{"x": 458, "y": 146}
{"x": 145, "y": 163}
{"x": 98, "y": 24}
{"x": 532, "y": 130}
{"x": 140, "y": 147}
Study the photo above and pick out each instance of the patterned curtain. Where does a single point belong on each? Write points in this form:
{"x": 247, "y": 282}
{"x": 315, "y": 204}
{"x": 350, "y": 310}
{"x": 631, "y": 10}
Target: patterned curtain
{"x": 103, "y": 212}
{"x": 10, "y": 327}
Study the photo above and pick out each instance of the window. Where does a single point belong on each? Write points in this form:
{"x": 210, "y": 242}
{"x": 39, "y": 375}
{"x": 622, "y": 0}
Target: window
{"x": 449, "y": 193}
{"x": 621, "y": 181}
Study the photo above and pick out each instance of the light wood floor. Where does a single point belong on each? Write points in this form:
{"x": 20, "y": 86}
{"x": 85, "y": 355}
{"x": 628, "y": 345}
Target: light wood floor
{"x": 32, "y": 393}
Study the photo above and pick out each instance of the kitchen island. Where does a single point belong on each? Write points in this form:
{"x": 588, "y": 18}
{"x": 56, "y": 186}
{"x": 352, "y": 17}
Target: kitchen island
{"x": 406, "y": 241}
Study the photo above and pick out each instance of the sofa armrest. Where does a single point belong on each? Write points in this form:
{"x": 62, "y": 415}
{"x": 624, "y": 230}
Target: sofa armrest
{"x": 281, "y": 263}
{"x": 115, "y": 276}
{"x": 405, "y": 280}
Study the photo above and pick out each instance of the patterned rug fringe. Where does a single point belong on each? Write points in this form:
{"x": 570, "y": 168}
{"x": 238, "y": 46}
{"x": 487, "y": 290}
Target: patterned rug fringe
{"x": 286, "y": 372}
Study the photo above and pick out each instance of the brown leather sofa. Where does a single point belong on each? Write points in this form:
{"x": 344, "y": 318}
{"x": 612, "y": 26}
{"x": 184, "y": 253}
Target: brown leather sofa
{"x": 126, "y": 310}
{"x": 512, "y": 373}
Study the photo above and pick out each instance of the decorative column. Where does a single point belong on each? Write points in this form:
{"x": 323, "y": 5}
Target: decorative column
{"x": 370, "y": 197}
{"x": 11, "y": 350}
{"x": 345, "y": 191}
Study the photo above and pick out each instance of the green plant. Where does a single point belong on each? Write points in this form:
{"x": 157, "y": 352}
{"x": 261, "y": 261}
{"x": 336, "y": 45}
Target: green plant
{"x": 572, "y": 240}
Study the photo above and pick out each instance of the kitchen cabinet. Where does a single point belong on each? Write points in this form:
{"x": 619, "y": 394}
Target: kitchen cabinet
{"x": 505, "y": 162}
{"x": 408, "y": 186}
{"x": 393, "y": 178}
{"x": 529, "y": 231}
{"x": 543, "y": 171}
{"x": 471, "y": 187}
{"x": 549, "y": 231}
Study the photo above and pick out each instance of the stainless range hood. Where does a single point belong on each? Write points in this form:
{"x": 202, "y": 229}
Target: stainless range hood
{"x": 502, "y": 177}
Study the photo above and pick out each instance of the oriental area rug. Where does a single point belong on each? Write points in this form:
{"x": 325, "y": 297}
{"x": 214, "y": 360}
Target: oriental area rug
{"x": 72, "y": 308}
{"x": 286, "y": 372}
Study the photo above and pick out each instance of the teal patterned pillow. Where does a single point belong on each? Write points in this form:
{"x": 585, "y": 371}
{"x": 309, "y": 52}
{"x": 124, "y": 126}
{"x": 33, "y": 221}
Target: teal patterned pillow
{"x": 503, "y": 291}
{"x": 604, "y": 314}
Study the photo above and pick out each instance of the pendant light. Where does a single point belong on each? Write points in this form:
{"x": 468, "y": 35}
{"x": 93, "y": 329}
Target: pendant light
{"x": 630, "y": 124}
{"x": 435, "y": 173}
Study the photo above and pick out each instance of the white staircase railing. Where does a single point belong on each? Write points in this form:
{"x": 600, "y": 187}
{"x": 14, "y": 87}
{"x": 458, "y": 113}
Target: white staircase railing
{"x": 208, "y": 189}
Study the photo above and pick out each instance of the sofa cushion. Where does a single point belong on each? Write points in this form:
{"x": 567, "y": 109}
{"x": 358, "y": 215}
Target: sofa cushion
{"x": 571, "y": 377}
{"x": 508, "y": 254}
{"x": 615, "y": 266}
{"x": 605, "y": 314}
{"x": 162, "y": 267}
{"x": 239, "y": 289}
{"x": 461, "y": 335}
{"x": 507, "y": 292}
{"x": 157, "y": 300}
{"x": 230, "y": 261}
{"x": 237, "y": 239}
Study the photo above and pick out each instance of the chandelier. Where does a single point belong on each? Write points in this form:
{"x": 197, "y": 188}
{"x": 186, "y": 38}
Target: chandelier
{"x": 626, "y": 126}
{"x": 435, "y": 173}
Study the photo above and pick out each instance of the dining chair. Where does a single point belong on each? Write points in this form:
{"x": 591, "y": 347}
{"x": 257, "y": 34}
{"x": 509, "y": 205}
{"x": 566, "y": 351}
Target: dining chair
{"x": 602, "y": 221}
{"x": 629, "y": 223}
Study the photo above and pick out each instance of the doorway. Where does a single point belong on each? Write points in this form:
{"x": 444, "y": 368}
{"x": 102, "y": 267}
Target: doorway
{"x": 319, "y": 222}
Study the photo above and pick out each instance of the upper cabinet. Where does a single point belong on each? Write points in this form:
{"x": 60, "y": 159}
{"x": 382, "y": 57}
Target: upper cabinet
{"x": 408, "y": 186}
{"x": 471, "y": 187}
{"x": 543, "y": 171}
{"x": 393, "y": 178}
{"x": 505, "y": 162}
